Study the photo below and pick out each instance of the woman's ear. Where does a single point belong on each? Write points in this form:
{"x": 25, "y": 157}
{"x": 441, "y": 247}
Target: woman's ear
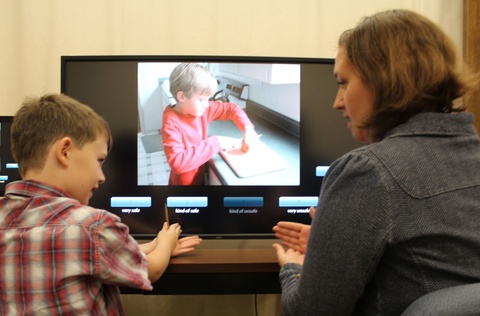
{"x": 63, "y": 150}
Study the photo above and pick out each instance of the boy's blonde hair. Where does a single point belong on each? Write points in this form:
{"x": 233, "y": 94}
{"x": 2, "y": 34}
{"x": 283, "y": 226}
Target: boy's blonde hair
{"x": 42, "y": 121}
{"x": 192, "y": 79}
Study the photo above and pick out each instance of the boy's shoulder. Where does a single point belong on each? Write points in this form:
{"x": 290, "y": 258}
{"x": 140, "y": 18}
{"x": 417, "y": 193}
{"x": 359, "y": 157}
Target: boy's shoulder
{"x": 47, "y": 203}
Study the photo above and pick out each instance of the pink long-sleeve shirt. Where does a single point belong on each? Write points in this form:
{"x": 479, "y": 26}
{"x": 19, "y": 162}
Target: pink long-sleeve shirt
{"x": 187, "y": 145}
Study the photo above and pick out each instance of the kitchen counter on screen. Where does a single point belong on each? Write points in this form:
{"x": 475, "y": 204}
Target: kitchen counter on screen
{"x": 283, "y": 143}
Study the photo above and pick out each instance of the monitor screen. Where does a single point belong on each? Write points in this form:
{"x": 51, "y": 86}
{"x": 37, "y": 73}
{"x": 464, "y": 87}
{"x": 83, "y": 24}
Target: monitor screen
{"x": 8, "y": 166}
{"x": 289, "y": 101}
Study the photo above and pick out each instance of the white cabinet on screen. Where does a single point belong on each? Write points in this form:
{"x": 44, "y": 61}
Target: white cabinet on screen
{"x": 268, "y": 73}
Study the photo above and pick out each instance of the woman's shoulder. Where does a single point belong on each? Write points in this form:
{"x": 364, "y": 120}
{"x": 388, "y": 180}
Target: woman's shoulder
{"x": 358, "y": 162}
{"x": 375, "y": 161}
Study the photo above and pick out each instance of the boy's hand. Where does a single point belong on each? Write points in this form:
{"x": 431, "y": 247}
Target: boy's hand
{"x": 250, "y": 139}
{"x": 186, "y": 245}
{"x": 228, "y": 143}
{"x": 165, "y": 244}
{"x": 168, "y": 236}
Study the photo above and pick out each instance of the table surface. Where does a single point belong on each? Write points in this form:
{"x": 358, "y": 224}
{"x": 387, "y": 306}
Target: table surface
{"x": 220, "y": 260}
{"x": 221, "y": 267}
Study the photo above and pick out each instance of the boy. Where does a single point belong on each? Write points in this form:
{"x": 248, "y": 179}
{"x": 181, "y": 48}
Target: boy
{"x": 185, "y": 124}
{"x": 58, "y": 255}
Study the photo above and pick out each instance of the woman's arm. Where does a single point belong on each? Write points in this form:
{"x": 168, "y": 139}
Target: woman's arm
{"x": 347, "y": 239}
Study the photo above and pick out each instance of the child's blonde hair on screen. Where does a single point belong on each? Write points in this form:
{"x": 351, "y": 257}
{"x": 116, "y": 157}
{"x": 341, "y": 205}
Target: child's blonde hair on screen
{"x": 191, "y": 78}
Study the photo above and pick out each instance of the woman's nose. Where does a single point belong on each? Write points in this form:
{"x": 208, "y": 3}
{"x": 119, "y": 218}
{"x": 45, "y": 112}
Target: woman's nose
{"x": 338, "y": 103}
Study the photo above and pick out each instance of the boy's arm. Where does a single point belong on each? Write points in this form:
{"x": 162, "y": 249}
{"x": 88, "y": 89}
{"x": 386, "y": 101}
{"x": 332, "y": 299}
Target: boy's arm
{"x": 159, "y": 257}
{"x": 229, "y": 111}
{"x": 250, "y": 138}
{"x": 148, "y": 246}
{"x": 232, "y": 111}
{"x": 183, "y": 245}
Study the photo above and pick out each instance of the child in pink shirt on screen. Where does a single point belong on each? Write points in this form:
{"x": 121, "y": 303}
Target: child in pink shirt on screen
{"x": 184, "y": 130}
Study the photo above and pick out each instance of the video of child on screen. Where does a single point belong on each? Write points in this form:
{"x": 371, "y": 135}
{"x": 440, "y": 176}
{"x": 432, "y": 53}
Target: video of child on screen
{"x": 175, "y": 148}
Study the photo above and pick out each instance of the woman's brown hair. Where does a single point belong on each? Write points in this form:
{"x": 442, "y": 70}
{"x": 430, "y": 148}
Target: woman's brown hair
{"x": 410, "y": 65}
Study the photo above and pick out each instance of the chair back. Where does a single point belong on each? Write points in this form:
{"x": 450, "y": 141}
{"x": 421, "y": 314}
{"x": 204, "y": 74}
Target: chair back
{"x": 458, "y": 300}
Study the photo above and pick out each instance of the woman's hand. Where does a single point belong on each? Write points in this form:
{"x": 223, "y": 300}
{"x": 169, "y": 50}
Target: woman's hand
{"x": 294, "y": 235}
{"x": 288, "y": 256}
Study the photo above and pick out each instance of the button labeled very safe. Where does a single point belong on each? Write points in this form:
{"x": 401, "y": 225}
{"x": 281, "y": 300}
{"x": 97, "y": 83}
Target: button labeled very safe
{"x": 130, "y": 201}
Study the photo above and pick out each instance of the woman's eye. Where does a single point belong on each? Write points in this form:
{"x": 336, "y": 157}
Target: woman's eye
{"x": 341, "y": 84}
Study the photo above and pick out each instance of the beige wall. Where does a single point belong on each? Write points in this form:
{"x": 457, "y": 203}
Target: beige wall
{"x": 34, "y": 34}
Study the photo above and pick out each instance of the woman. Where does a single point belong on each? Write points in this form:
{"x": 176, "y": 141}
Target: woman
{"x": 400, "y": 217}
